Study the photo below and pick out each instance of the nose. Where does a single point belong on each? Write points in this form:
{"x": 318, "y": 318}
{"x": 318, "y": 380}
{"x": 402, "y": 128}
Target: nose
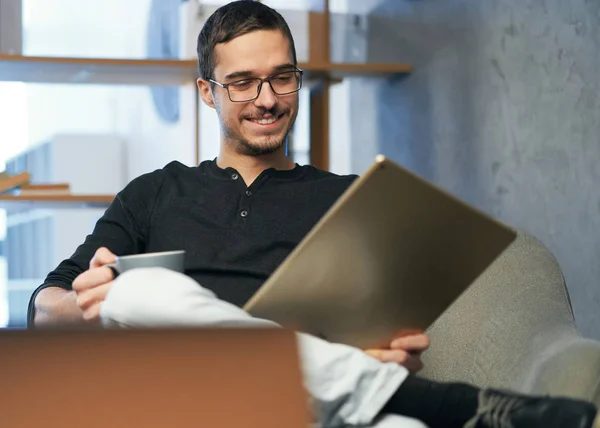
{"x": 267, "y": 98}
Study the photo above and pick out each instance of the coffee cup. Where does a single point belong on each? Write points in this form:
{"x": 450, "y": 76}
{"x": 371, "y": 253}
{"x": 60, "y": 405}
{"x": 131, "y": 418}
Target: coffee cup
{"x": 172, "y": 260}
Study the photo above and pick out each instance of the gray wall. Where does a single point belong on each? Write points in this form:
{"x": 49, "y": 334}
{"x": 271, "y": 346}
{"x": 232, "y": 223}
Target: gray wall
{"x": 502, "y": 110}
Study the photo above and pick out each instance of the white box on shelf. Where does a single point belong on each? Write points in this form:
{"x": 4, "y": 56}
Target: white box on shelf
{"x": 91, "y": 164}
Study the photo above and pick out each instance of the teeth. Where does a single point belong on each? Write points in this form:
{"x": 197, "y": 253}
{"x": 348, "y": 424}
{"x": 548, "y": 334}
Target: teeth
{"x": 265, "y": 121}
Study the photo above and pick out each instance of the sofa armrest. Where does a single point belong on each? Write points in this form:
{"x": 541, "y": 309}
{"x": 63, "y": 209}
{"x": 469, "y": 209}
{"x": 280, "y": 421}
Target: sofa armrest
{"x": 569, "y": 367}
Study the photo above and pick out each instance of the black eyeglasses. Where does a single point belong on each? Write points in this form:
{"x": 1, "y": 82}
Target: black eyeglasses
{"x": 244, "y": 90}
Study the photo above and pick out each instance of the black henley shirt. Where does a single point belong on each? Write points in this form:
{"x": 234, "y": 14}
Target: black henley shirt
{"x": 235, "y": 236}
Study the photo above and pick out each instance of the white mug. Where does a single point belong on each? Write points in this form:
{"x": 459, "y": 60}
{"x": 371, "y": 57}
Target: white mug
{"x": 172, "y": 260}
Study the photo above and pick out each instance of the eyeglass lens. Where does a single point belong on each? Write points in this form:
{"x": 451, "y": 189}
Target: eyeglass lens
{"x": 281, "y": 83}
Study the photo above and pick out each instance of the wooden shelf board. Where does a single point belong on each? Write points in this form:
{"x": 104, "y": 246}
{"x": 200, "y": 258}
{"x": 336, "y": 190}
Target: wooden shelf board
{"x": 13, "y": 204}
{"x": 341, "y": 70}
{"x": 152, "y": 72}
{"x": 96, "y": 70}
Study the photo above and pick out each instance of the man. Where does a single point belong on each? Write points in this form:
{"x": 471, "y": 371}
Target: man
{"x": 237, "y": 218}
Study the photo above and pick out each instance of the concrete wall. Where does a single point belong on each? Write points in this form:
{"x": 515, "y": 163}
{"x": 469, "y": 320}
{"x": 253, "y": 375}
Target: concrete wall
{"x": 502, "y": 110}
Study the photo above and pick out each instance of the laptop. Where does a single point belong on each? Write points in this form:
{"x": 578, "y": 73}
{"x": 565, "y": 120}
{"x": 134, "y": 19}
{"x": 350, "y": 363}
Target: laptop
{"x": 389, "y": 257}
{"x": 151, "y": 378}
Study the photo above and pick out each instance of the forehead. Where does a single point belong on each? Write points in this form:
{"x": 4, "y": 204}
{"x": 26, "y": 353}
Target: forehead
{"x": 259, "y": 52}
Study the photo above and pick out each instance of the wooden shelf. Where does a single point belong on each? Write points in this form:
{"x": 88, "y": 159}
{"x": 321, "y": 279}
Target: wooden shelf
{"x": 341, "y": 70}
{"x": 152, "y": 72}
{"x": 13, "y": 204}
{"x": 32, "y": 69}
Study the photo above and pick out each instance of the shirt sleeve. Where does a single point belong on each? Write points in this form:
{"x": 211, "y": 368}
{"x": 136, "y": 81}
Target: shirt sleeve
{"x": 123, "y": 229}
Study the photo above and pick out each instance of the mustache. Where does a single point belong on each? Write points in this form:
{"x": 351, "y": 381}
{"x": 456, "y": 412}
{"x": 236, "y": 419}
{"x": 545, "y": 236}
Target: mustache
{"x": 275, "y": 111}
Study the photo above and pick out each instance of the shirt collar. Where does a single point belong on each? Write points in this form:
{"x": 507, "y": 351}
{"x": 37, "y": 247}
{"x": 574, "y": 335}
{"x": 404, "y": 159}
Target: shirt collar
{"x": 216, "y": 171}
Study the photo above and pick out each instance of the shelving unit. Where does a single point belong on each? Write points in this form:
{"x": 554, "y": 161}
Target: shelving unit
{"x": 320, "y": 72}
{"x": 31, "y": 69}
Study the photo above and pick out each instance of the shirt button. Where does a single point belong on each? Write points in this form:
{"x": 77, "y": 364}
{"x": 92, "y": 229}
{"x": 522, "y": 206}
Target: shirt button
{"x": 244, "y": 213}
{"x": 248, "y": 193}
{"x": 235, "y": 177}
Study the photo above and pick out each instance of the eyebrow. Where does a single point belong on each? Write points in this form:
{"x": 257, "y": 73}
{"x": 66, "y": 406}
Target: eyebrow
{"x": 244, "y": 74}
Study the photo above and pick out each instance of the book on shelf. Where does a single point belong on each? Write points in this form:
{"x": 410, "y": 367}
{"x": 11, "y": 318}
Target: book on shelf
{"x": 11, "y": 182}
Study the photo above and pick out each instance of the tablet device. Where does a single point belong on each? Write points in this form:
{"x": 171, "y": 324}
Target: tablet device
{"x": 389, "y": 257}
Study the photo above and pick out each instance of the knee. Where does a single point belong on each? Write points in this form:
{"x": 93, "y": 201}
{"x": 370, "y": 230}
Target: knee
{"x": 157, "y": 281}
{"x": 149, "y": 296}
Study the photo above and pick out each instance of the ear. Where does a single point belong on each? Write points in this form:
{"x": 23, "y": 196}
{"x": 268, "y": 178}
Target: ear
{"x": 205, "y": 92}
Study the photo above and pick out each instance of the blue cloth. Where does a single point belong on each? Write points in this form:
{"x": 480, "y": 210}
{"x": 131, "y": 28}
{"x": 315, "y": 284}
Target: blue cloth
{"x": 163, "y": 43}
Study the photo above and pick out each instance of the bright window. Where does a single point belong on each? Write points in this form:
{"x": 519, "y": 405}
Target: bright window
{"x": 13, "y": 138}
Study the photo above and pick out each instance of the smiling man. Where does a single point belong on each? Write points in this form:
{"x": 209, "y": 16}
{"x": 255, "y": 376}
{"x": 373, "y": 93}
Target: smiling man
{"x": 238, "y": 217}
{"x": 255, "y": 125}
{"x": 250, "y": 77}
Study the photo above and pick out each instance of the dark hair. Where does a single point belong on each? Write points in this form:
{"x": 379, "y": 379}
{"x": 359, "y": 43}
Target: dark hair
{"x": 233, "y": 20}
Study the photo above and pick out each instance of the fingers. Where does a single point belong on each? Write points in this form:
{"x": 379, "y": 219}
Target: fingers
{"x": 89, "y": 297}
{"x": 389, "y": 356}
{"x": 92, "y": 278}
{"x": 375, "y": 353}
{"x": 102, "y": 257}
{"x": 90, "y": 300}
{"x": 92, "y": 314}
{"x": 92, "y": 285}
{"x": 413, "y": 344}
{"x": 411, "y": 361}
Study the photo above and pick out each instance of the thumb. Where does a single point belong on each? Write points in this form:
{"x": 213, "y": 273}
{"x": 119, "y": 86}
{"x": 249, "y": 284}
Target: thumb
{"x": 102, "y": 257}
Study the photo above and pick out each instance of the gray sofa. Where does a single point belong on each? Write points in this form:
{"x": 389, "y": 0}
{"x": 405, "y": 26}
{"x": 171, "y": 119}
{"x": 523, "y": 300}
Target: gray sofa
{"x": 514, "y": 328}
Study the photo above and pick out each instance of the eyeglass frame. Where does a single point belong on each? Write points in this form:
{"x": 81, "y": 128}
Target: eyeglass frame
{"x": 260, "y": 85}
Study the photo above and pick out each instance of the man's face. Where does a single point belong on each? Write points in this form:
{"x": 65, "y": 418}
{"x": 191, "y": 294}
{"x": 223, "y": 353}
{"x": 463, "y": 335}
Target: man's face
{"x": 260, "y": 126}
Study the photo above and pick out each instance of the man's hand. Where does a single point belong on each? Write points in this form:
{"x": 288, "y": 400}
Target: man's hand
{"x": 92, "y": 285}
{"x": 404, "y": 350}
